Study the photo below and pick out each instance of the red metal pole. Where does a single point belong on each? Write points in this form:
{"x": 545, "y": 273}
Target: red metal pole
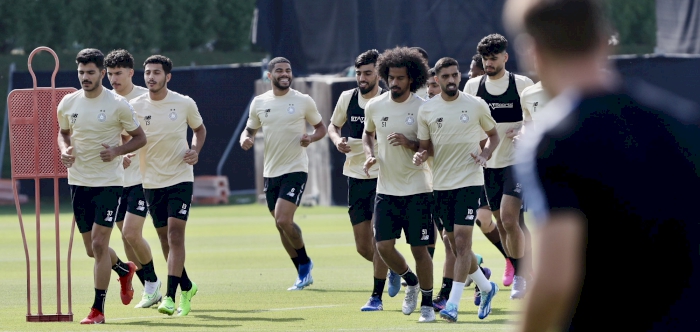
{"x": 26, "y": 249}
{"x": 38, "y": 243}
{"x": 58, "y": 247}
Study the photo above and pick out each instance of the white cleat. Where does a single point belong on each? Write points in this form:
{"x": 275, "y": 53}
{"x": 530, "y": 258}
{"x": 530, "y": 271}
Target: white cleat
{"x": 410, "y": 302}
{"x": 148, "y": 300}
{"x": 427, "y": 314}
{"x": 519, "y": 288}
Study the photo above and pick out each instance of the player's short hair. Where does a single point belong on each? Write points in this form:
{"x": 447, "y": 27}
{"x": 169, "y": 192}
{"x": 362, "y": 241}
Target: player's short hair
{"x": 119, "y": 58}
{"x": 478, "y": 61}
{"x": 492, "y": 44}
{"x": 160, "y": 59}
{"x": 444, "y": 63}
{"x": 422, "y": 53}
{"x": 404, "y": 57}
{"x": 366, "y": 58}
{"x": 91, "y": 55}
{"x": 273, "y": 62}
{"x": 567, "y": 27}
{"x": 431, "y": 72}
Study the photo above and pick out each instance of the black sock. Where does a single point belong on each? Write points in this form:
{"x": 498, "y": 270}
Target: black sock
{"x": 149, "y": 272}
{"x": 499, "y": 246}
{"x": 185, "y": 282}
{"x": 431, "y": 251}
{"x": 121, "y": 268}
{"x": 515, "y": 262}
{"x": 301, "y": 256}
{"x": 139, "y": 273}
{"x": 427, "y": 299}
{"x": 295, "y": 260}
{"x": 410, "y": 277}
{"x": 378, "y": 288}
{"x": 173, "y": 282}
{"x": 446, "y": 288}
{"x": 99, "y": 303}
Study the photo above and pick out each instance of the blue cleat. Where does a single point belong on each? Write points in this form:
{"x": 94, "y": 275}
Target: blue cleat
{"x": 449, "y": 313}
{"x": 305, "y": 279}
{"x": 477, "y": 292}
{"x": 394, "y": 283}
{"x": 486, "y": 298}
{"x": 439, "y": 303}
{"x": 373, "y": 304}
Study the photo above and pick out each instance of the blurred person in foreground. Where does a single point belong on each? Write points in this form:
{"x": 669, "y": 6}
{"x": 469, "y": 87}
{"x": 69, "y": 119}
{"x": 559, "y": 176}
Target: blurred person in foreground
{"x": 609, "y": 156}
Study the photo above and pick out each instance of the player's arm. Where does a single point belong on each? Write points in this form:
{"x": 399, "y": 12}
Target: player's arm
{"x": 198, "y": 137}
{"x": 558, "y": 276}
{"x": 397, "y": 139}
{"x": 338, "y": 119}
{"x": 247, "y": 138}
{"x": 313, "y": 117}
{"x": 424, "y": 151}
{"x": 491, "y": 143}
{"x": 64, "y": 145}
{"x": 137, "y": 141}
{"x": 368, "y": 140}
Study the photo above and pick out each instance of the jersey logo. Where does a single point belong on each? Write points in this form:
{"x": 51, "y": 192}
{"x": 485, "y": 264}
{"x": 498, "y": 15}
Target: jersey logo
{"x": 172, "y": 115}
{"x": 439, "y": 122}
{"x": 267, "y": 111}
{"x": 356, "y": 118}
{"x": 500, "y": 105}
{"x": 147, "y": 118}
{"x": 424, "y": 235}
{"x": 109, "y": 217}
{"x": 73, "y": 117}
{"x": 470, "y": 214}
{"x": 290, "y": 109}
{"x": 464, "y": 117}
{"x": 518, "y": 188}
{"x": 534, "y": 107}
{"x": 410, "y": 120}
{"x": 291, "y": 193}
{"x": 141, "y": 206}
{"x": 102, "y": 117}
{"x": 183, "y": 210}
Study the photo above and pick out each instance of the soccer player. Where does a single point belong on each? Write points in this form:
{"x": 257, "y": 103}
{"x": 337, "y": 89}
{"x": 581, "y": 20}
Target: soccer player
{"x": 167, "y": 169}
{"x": 282, "y": 113}
{"x": 501, "y": 90}
{"x": 601, "y": 149}
{"x": 453, "y": 123}
{"x": 132, "y": 211}
{"x": 433, "y": 86}
{"x": 361, "y": 190}
{"x": 476, "y": 67}
{"x": 91, "y": 121}
{"x": 403, "y": 189}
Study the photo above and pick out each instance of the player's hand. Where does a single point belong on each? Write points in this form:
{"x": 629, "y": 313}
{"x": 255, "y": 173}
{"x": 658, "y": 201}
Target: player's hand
{"x": 398, "y": 140}
{"x": 247, "y": 143}
{"x": 191, "y": 157}
{"x": 305, "y": 140}
{"x": 368, "y": 164}
{"x": 516, "y": 140}
{"x": 108, "y": 154}
{"x": 512, "y": 132}
{"x": 420, "y": 157}
{"x": 67, "y": 157}
{"x": 343, "y": 145}
{"x": 479, "y": 159}
{"x": 126, "y": 161}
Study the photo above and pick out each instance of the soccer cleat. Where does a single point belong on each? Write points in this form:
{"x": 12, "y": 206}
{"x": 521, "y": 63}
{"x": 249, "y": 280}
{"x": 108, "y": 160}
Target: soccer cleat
{"x": 148, "y": 300}
{"x": 94, "y": 317}
{"x": 305, "y": 279}
{"x": 167, "y": 306}
{"x": 519, "y": 287}
{"x": 486, "y": 298}
{"x": 449, "y": 313}
{"x": 439, "y": 303}
{"x": 127, "y": 291}
{"x": 373, "y": 304}
{"x": 477, "y": 292}
{"x": 508, "y": 274}
{"x": 394, "y": 283}
{"x": 403, "y": 283}
{"x": 185, "y": 300}
{"x": 411, "y": 300}
{"x": 427, "y": 314}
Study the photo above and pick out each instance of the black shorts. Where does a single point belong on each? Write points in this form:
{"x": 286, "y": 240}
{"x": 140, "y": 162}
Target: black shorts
{"x": 288, "y": 187}
{"x": 361, "y": 195}
{"x": 483, "y": 200}
{"x": 457, "y": 206}
{"x": 133, "y": 201}
{"x": 95, "y": 205}
{"x": 169, "y": 202}
{"x": 499, "y": 182}
{"x": 435, "y": 217}
{"x": 408, "y": 213}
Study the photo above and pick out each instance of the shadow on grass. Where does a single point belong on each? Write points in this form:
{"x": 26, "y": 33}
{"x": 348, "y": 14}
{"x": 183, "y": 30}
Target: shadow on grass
{"x": 177, "y": 323}
{"x": 249, "y": 319}
{"x": 336, "y": 290}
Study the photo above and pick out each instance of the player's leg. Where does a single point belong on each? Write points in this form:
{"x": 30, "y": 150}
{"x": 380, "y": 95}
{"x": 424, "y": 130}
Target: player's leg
{"x": 515, "y": 238}
{"x": 272, "y": 190}
{"x": 440, "y": 219}
{"x": 494, "y": 191}
{"x": 419, "y": 231}
{"x": 291, "y": 189}
{"x": 128, "y": 250}
{"x": 484, "y": 219}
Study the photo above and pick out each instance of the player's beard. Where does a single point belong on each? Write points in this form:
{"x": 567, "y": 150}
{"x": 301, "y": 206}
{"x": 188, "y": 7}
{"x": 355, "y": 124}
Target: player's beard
{"x": 449, "y": 92}
{"x": 159, "y": 86}
{"x": 369, "y": 88}
{"x": 497, "y": 70}
{"x": 279, "y": 86}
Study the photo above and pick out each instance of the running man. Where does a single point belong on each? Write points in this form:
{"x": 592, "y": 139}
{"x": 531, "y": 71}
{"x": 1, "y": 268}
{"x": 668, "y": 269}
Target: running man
{"x": 167, "y": 168}
{"x": 91, "y": 121}
{"x": 132, "y": 211}
{"x": 453, "y": 124}
{"x": 361, "y": 190}
{"x": 282, "y": 113}
{"x": 403, "y": 189}
{"x": 501, "y": 90}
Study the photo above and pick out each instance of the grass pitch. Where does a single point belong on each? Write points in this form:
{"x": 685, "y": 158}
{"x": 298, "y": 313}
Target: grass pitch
{"x": 235, "y": 257}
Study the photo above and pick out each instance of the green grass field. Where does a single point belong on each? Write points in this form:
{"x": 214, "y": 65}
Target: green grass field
{"x": 235, "y": 257}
